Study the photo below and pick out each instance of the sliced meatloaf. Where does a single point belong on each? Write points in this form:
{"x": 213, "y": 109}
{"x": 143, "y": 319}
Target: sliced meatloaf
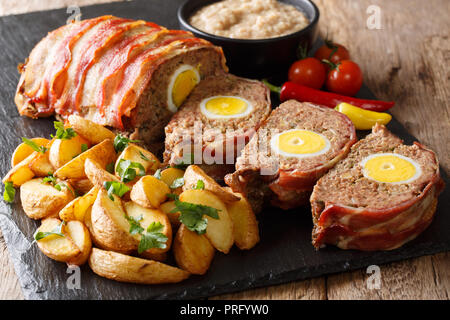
{"x": 114, "y": 71}
{"x": 353, "y": 209}
{"x": 213, "y": 140}
{"x": 286, "y": 180}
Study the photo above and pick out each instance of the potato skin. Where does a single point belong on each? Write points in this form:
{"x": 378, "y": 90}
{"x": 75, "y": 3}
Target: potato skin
{"x": 90, "y": 130}
{"x": 79, "y": 234}
{"x": 108, "y": 233}
{"x": 120, "y": 267}
{"x": 193, "y": 252}
{"x": 41, "y": 200}
{"x": 194, "y": 173}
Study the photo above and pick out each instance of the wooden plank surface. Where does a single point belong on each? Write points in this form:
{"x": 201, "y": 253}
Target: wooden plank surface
{"x": 407, "y": 60}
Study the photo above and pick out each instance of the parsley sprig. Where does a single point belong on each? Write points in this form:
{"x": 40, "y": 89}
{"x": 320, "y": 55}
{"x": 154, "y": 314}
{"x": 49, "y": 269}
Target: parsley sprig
{"x": 54, "y": 182}
{"x": 56, "y": 231}
{"x": 61, "y": 132}
{"x": 117, "y": 188}
{"x": 157, "y": 174}
{"x": 127, "y": 170}
{"x": 200, "y": 185}
{"x": 33, "y": 145}
{"x": 179, "y": 182}
{"x": 121, "y": 142}
{"x": 191, "y": 214}
{"x": 150, "y": 238}
{"x": 10, "y": 192}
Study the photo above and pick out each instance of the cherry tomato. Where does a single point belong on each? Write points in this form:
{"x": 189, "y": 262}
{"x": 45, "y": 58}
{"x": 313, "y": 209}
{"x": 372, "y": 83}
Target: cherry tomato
{"x": 309, "y": 72}
{"x": 346, "y": 78}
{"x": 326, "y": 52}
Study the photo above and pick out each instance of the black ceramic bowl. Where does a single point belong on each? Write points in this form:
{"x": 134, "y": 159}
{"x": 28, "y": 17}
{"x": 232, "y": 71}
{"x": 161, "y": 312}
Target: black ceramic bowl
{"x": 260, "y": 57}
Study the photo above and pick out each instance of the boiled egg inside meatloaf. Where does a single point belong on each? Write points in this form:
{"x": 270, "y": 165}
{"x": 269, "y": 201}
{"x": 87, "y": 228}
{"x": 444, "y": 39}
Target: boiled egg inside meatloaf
{"x": 225, "y": 107}
{"x": 299, "y": 143}
{"x": 390, "y": 168}
{"x": 182, "y": 82}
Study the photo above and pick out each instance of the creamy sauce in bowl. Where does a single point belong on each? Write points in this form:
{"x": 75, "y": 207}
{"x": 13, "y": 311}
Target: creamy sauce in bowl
{"x": 249, "y": 19}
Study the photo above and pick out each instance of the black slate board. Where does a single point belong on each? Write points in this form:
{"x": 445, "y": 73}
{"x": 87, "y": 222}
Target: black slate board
{"x": 284, "y": 254}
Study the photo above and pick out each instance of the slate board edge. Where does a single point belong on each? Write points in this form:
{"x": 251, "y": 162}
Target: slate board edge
{"x": 31, "y": 290}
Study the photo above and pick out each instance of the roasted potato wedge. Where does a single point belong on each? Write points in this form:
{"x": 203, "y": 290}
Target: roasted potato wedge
{"x": 219, "y": 231}
{"x": 194, "y": 173}
{"x": 88, "y": 224}
{"x": 81, "y": 186}
{"x": 137, "y": 154}
{"x": 193, "y": 252}
{"x": 64, "y": 150}
{"x": 169, "y": 175}
{"x": 79, "y": 234}
{"x": 149, "y": 192}
{"x": 96, "y": 174}
{"x": 167, "y": 207}
{"x": 41, "y": 165}
{"x": 76, "y": 209}
{"x": 103, "y": 153}
{"x": 90, "y": 130}
{"x": 41, "y": 200}
{"x": 149, "y": 216}
{"x": 59, "y": 248}
{"x": 246, "y": 231}
{"x": 161, "y": 257}
{"x": 109, "y": 224}
{"x": 21, "y": 172}
{"x": 120, "y": 267}
{"x": 23, "y": 150}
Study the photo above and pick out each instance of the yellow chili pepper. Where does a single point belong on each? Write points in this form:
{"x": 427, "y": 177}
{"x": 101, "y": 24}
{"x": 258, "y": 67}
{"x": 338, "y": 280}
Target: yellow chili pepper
{"x": 363, "y": 119}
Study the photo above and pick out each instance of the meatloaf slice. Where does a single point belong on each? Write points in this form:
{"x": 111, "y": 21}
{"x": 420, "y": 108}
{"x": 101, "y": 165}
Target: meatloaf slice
{"x": 214, "y": 141}
{"x": 352, "y": 210}
{"x": 286, "y": 180}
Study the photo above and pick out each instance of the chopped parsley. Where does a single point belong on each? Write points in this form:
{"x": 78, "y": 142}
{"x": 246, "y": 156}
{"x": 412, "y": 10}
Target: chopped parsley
{"x": 117, "y": 188}
{"x": 121, "y": 142}
{"x": 152, "y": 238}
{"x": 127, "y": 170}
{"x": 10, "y": 192}
{"x": 179, "y": 182}
{"x": 33, "y": 145}
{"x": 143, "y": 157}
{"x": 54, "y": 182}
{"x": 84, "y": 147}
{"x": 110, "y": 167}
{"x": 62, "y": 133}
{"x": 157, "y": 174}
{"x": 56, "y": 231}
{"x": 135, "y": 226}
{"x": 200, "y": 185}
{"x": 191, "y": 214}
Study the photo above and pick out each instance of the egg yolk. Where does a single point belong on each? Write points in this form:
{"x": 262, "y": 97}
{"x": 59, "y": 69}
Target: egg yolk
{"x": 226, "y": 106}
{"x": 300, "y": 142}
{"x": 390, "y": 168}
{"x": 183, "y": 85}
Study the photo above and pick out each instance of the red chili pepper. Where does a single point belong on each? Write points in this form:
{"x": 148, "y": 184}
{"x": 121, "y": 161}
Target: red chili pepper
{"x": 291, "y": 90}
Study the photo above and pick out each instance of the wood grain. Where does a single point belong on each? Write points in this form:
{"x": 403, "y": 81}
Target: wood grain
{"x": 407, "y": 60}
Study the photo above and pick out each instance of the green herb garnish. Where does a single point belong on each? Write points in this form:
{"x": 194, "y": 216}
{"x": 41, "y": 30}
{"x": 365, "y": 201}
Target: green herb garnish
{"x": 114, "y": 187}
{"x": 177, "y": 183}
{"x": 157, "y": 174}
{"x": 110, "y": 167}
{"x": 33, "y": 145}
{"x": 62, "y": 133}
{"x": 191, "y": 214}
{"x": 10, "y": 192}
{"x": 143, "y": 157}
{"x": 84, "y": 147}
{"x": 56, "y": 231}
{"x": 58, "y": 186}
{"x": 121, "y": 142}
{"x": 135, "y": 226}
{"x": 127, "y": 170}
{"x": 183, "y": 165}
{"x": 200, "y": 185}
{"x": 153, "y": 238}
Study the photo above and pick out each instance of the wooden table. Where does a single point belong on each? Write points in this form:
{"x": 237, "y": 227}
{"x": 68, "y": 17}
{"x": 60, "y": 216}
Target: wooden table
{"x": 407, "y": 61}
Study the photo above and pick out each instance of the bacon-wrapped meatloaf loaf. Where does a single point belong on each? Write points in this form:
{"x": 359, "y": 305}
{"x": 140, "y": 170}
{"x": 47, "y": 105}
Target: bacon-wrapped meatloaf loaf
{"x": 383, "y": 194}
{"x": 127, "y": 74}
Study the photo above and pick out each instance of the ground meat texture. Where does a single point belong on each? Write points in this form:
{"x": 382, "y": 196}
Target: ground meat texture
{"x": 290, "y": 179}
{"x": 182, "y": 125}
{"x": 355, "y": 212}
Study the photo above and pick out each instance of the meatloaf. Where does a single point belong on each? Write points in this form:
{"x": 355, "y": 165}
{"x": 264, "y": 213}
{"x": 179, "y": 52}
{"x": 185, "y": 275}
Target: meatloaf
{"x": 311, "y": 139}
{"x": 377, "y": 205}
{"x": 117, "y": 72}
{"x": 215, "y": 122}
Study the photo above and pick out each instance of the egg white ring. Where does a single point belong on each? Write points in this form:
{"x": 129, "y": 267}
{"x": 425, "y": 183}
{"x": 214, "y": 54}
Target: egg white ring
{"x": 414, "y": 163}
{"x": 185, "y": 67}
{"x": 275, "y": 148}
{"x": 211, "y": 115}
